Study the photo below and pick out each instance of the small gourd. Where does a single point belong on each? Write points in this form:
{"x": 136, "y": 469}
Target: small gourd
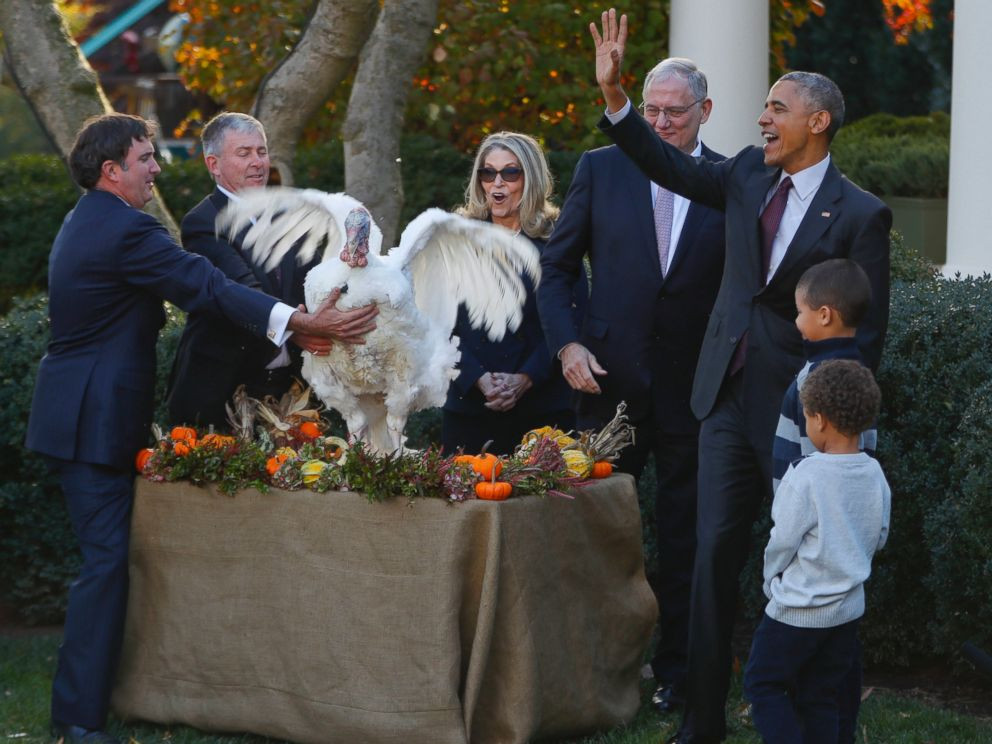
{"x": 486, "y": 465}
{"x": 311, "y": 470}
{"x": 142, "y": 458}
{"x": 493, "y": 490}
{"x": 183, "y": 434}
{"x": 601, "y": 469}
{"x": 578, "y": 463}
{"x": 309, "y": 430}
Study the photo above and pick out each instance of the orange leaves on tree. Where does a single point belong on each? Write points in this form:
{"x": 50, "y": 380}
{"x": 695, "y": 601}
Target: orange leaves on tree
{"x": 904, "y": 17}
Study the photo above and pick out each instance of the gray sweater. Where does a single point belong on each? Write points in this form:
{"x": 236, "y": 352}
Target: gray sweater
{"x": 831, "y": 514}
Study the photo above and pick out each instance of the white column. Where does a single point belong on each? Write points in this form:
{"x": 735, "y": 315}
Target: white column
{"x": 728, "y": 39}
{"x": 969, "y": 202}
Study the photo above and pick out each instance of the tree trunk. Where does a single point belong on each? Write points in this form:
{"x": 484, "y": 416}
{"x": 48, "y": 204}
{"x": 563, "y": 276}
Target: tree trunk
{"x": 374, "y": 121}
{"x": 54, "y": 77}
{"x": 290, "y": 95}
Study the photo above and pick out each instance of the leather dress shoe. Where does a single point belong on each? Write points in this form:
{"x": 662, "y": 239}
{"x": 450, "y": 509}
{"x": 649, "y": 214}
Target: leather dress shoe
{"x": 68, "y": 734}
{"x": 666, "y": 699}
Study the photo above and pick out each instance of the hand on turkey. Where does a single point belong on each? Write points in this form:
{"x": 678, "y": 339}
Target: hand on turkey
{"x": 346, "y": 326}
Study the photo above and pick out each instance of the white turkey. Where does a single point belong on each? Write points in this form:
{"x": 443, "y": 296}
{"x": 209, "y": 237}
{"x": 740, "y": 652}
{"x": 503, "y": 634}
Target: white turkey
{"x": 407, "y": 362}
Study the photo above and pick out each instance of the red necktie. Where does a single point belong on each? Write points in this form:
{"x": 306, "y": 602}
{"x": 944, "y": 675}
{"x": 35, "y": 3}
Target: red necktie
{"x": 771, "y": 218}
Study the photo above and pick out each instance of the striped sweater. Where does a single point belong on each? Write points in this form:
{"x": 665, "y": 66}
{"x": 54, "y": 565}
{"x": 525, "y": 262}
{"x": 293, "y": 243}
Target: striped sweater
{"x": 791, "y": 441}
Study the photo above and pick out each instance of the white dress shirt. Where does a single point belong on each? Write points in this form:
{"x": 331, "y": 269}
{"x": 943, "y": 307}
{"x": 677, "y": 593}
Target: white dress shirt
{"x": 805, "y": 184}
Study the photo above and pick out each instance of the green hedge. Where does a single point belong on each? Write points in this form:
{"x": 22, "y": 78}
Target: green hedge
{"x": 896, "y": 156}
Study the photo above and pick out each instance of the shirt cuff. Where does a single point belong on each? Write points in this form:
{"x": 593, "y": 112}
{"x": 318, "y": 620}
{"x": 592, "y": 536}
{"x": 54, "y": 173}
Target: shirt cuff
{"x": 278, "y": 320}
{"x": 619, "y": 115}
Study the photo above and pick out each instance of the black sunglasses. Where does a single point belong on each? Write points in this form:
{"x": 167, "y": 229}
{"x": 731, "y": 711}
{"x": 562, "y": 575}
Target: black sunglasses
{"x": 509, "y": 174}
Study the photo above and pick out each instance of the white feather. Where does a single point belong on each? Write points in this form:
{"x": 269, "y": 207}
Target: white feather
{"x": 476, "y": 262}
{"x": 408, "y": 361}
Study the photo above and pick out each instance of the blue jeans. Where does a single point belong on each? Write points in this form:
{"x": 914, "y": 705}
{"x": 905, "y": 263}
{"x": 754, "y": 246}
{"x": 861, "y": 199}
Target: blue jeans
{"x": 793, "y": 677}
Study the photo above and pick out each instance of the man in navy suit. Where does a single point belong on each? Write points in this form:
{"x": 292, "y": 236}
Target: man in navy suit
{"x": 110, "y": 268}
{"x": 656, "y": 262}
{"x": 787, "y": 208}
{"x": 214, "y": 355}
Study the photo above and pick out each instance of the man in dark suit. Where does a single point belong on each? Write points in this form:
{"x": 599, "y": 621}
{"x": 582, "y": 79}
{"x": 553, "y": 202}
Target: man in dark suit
{"x": 656, "y": 262}
{"x": 110, "y": 268}
{"x": 787, "y": 208}
{"x": 214, "y": 355}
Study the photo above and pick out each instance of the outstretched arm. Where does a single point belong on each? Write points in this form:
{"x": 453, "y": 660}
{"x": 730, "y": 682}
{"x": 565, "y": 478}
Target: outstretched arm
{"x": 610, "y": 47}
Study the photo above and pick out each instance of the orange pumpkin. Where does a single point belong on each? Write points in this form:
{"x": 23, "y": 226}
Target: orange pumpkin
{"x": 309, "y": 430}
{"x": 183, "y": 448}
{"x": 493, "y": 490}
{"x": 601, "y": 469}
{"x": 141, "y": 459}
{"x": 183, "y": 434}
{"x": 275, "y": 462}
{"x": 488, "y": 466}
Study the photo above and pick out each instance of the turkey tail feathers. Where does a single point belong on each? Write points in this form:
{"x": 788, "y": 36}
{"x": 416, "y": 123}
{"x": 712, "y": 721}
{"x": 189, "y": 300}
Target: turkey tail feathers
{"x": 453, "y": 260}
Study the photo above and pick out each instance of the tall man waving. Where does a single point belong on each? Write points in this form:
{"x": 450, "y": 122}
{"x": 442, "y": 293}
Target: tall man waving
{"x": 787, "y": 207}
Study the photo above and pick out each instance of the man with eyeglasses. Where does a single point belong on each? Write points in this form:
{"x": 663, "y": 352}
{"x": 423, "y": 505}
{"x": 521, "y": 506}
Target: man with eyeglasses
{"x": 787, "y": 208}
{"x": 657, "y": 260}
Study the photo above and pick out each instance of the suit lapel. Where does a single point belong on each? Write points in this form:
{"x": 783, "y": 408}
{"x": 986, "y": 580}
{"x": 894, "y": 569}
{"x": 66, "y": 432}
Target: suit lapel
{"x": 690, "y": 228}
{"x": 822, "y": 212}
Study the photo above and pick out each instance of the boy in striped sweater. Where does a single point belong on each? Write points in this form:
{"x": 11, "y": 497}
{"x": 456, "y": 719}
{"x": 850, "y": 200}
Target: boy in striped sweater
{"x": 832, "y": 298}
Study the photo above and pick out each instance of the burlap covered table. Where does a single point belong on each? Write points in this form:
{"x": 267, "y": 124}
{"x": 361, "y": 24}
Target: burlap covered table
{"x": 323, "y": 618}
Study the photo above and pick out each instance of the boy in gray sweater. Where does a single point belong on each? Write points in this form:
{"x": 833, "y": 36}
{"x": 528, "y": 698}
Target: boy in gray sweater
{"x": 831, "y": 513}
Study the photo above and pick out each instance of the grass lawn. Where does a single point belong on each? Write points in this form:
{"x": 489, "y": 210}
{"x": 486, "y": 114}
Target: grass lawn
{"x": 27, "y": 662}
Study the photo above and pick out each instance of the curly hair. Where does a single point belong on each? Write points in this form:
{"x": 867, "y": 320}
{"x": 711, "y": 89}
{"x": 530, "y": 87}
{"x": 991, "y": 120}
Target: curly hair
{"x": 838, "y": 283}
{"x": 102, "y": 138}
{"x": 537, "y": 213}
{"x": 845, "y": 393}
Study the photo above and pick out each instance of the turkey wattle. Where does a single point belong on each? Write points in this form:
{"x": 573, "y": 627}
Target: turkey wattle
{"x": 442, "y": 260}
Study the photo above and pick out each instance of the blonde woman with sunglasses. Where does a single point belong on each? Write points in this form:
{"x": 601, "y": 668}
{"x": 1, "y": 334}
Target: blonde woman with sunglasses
{"x": 505, "y": 388}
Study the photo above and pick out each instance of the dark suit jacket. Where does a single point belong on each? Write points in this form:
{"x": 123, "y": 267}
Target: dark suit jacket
{"x": 110, "y": 268}
{"x": 214, "y": 356}
{"x": 842, "y": 222}
{"x": 523, "y": 350}
{"x": 645, "y": 330}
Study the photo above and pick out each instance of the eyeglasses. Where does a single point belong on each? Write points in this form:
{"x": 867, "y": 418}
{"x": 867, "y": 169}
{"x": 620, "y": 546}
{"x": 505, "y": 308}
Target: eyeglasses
{"x": 672, "y": 113}
{"x": 509, "y": 174}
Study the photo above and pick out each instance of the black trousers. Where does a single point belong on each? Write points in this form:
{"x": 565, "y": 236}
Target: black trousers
{"x": 793, "y": 679}
{"x": 99, "y": 501}
{"x": 735, "y": 474}
{"x": 675, "y": 459}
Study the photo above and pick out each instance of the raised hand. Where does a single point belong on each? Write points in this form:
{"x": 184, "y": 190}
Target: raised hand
{"x": 610, "y": 46}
